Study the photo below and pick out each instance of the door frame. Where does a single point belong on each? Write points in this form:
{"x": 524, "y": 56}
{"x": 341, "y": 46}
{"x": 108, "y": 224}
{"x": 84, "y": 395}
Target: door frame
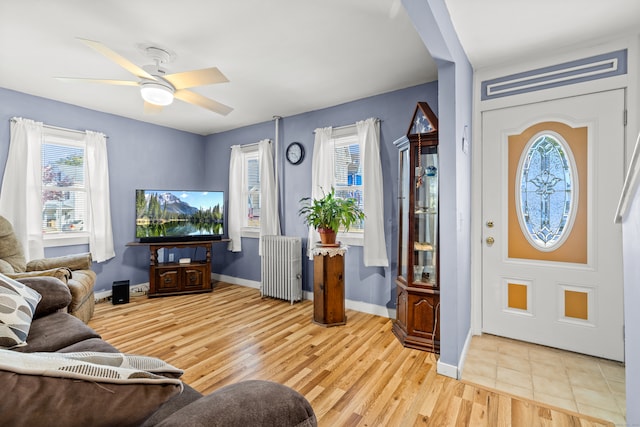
{"x": 630, "y": 82}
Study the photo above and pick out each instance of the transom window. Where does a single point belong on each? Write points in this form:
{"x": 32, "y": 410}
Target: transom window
{"x": 546, "y": 191}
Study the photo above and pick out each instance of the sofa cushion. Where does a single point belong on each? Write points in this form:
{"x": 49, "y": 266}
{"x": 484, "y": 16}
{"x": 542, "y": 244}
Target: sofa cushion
{"x": 10, "y": 247}
{"x": 5, "y": 267}
{"x": 81, "y": 286}
{"x": 17, "y": 306}
{"x": 91, "y": 344}
{"x": 72, "y": 262}
{"x": 81, "y": 389}
{"x": 61, "y": 273}
{"x": 55, "y": 294}
{"x": 56, "y": 331}
{"x": 177, "y": 402}
{"x": 247, "y": 403}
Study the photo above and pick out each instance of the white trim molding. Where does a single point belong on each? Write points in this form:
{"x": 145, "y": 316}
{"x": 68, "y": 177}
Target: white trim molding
{"x": 447, "y": 370}
{"x": 236, "y": 280}
{"x": 140, "y": 288}
{"x": 454, "y": 371}
{"x": 363, "y": 307}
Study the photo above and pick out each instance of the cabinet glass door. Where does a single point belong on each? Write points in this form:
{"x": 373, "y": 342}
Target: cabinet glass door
{"x": 404, "y": 211}
{"x": 425, "y": 238}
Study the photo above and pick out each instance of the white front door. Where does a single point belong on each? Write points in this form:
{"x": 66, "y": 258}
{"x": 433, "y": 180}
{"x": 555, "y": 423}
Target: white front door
{"x": 552, "y": 254}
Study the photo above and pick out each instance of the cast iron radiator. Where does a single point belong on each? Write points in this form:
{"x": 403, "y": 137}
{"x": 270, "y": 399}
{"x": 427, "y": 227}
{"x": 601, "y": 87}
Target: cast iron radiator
{"x": 281, "y": 268}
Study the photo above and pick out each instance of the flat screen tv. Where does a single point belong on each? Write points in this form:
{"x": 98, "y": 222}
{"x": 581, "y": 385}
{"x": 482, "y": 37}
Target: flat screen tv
{"x": 169, "y": 215}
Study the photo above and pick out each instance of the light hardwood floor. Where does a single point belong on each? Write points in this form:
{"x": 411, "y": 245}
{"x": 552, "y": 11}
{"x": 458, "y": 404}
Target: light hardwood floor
{"x": 353, "y": 375}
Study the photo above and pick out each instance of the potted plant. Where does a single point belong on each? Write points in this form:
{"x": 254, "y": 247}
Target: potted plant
{"x": 329, "y": 213}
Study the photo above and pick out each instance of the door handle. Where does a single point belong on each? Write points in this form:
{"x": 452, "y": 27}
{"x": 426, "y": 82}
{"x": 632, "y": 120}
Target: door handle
{"x": 490, "y": 240}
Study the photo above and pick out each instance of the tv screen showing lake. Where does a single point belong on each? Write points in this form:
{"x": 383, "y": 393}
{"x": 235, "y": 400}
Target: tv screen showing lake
{"x": 179, "y": 213}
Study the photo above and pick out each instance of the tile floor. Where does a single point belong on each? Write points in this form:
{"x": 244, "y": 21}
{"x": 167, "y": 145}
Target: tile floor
{"x": 572, "y": 381}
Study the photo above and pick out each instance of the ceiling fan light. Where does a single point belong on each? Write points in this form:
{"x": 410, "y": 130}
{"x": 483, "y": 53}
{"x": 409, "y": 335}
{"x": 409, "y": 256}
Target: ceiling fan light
{"x": 156, "y": 93}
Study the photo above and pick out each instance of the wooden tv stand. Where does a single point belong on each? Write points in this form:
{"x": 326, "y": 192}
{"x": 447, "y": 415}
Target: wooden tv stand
{"x": 174, "y": 278}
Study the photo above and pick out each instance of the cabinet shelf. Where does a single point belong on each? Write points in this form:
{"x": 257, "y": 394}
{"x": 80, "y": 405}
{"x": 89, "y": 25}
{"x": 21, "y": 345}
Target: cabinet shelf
{"x": 177, "y": 264}
{"x": 423, "y": 247}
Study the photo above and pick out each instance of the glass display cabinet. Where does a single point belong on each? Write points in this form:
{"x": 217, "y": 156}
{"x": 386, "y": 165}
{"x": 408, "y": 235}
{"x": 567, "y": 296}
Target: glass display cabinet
{"x": 418, "y": 290}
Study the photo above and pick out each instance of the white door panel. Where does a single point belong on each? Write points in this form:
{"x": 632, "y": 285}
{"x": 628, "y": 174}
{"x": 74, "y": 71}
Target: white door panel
{"x": 552, "y": 264}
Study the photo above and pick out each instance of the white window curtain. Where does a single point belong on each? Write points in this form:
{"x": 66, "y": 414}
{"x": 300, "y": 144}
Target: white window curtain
{"x": 323, "y": 178}
{"x": 235, "y": 211}
{"x": 269, "y": 216}
{"x": 322, "y": 174}
{"x": 375, "y": 248}
{"x": 20, "y": 197}
{"x": 99, "y": 212}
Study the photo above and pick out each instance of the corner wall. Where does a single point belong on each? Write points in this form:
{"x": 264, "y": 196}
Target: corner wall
{"x": 455, "y": 87}
{"x": 631, "y": 255}
{"x": 141, "y": 155}
{"x": 372, "y": 286}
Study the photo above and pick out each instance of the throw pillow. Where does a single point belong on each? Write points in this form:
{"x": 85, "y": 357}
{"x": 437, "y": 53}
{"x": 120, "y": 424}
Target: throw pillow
{"x": 17, "y": 306}
{"x": 82, "y": 389}
{"x": 55, "y": 294}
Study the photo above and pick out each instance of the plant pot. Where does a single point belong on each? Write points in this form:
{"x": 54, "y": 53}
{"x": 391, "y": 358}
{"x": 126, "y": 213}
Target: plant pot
{"x": 327, "y": 236}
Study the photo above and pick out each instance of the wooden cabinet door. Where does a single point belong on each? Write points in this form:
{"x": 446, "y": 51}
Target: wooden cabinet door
{"x": 193, "y": 278}
{"x": 422, "y": 316}
{"x": 167, "y": 280}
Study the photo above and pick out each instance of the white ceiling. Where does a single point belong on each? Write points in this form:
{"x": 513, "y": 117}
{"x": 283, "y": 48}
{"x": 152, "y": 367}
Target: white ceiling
{"x": 282, "y": 57}
{"x": 497, "y": 31}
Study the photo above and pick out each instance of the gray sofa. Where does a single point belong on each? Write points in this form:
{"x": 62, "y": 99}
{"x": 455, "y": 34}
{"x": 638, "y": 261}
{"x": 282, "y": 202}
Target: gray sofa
{"x": 31, "y": 400}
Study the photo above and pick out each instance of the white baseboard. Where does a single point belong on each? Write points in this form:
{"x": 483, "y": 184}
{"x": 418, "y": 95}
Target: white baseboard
{"x": 366, "y": 307}
{"x": 140, "y": 288}
{"x": 447, "y": 370}
{"x": 452, "y": 370}
{"x": 352, "y": 305}
{"x": 236, "y": 280}
{"x": 363, "y": 307}
{"x": 463, "y": 355}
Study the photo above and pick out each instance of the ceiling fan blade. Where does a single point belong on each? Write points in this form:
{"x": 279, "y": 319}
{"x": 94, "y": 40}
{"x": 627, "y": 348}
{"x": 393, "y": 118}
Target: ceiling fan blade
{"x": 194, "y": 78}
{"x": 120, "y": 60}
{"x": 104, "y": 81}
{"x": 150, "y": 108}
{"x": 201, "y": 101}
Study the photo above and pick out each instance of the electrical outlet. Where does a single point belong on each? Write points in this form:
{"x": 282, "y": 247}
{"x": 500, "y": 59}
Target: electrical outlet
{"x": 170, "y": 257}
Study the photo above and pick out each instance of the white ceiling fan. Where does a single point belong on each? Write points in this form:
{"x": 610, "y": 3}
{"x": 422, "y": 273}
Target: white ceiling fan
{"x": 157, "y": 88}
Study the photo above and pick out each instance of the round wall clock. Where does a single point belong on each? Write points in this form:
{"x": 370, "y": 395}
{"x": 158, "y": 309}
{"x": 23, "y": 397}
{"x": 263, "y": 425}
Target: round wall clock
{"x": 295, "y": 153}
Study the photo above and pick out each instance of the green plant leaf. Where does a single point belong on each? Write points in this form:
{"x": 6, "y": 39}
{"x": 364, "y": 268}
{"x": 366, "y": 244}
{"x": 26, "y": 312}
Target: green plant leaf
{"x": 330, "y": 211}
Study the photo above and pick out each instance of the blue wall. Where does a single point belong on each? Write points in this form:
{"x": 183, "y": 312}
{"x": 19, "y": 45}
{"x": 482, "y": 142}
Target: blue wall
{"x": 455, "y": 79}
{"x": 631, "y": 254}
{"x": 363, "y": 284}
{"x": 141, "y": 155}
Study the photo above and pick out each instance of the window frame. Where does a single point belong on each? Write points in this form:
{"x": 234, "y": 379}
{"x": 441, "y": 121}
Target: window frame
{"x": 249, "y": 152}
{"x": 345, "y": 137}
{"x": 63, "y": 137}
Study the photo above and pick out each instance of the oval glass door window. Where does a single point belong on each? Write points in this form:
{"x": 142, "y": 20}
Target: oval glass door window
{"x": 546, "y": 194}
